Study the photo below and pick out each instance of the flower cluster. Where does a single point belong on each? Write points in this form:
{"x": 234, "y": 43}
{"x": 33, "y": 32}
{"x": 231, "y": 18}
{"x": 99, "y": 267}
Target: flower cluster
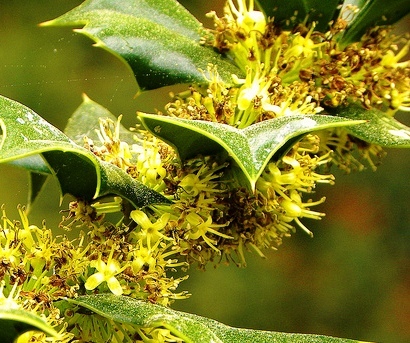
{"x": 300, "y": 71}
{"x": 314, "y": 64}
{"x": 295, "y": 72}
{"x": 37, "y": 269}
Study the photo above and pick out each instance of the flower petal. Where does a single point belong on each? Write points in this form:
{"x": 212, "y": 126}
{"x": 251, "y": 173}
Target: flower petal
{"x": 141, "y": 218}
{"x": 114, "y": 285}
{"x": 94, "y": 281}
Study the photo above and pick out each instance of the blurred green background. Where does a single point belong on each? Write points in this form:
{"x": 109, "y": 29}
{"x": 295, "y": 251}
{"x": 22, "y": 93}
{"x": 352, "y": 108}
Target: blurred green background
{"x": 352, "y": 280}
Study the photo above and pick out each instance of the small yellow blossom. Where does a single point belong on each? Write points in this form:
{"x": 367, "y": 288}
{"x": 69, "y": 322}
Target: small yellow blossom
{"x": 294, "y": 209}
{"x": 149, "y": 168}
{"x": 113, "y": 150}
{"x": 106, "y": 271}
{"x": 143, "y": 257}
{"x": 198, "y": 227}
{"x": 150, "y": 232}
{"x": 203, "y": 180}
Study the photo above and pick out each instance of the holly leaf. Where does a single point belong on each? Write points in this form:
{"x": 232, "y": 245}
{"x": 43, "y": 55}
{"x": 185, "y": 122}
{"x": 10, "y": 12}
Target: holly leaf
{"x": 250, "y": 148}
{"x": 370, "y": 13}
{"x": 35, "y": 186}
{"x": 158, "y": 39}
{"x": 319, "y": 11}
{"x": 24, "y": 135}
{"x": 188, "y": 327}
{"x": 15, "y": 322}
{"x": 39, "y": 173}
{"x": 85, "y": 121}
{"x": 373, "y": 13}
{"x": 379, "y": 128}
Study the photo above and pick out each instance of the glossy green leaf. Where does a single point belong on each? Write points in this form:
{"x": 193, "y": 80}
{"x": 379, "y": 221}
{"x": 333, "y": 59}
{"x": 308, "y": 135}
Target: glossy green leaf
{"x": 379, "y": 128}
{"x": 319, "y": 11}
{"x": 39, "y": 173}
{"x": 191, "y": 328}
{"x": 372, "y": 13}
{"x": 158, "y": 39}
{"x": 35, "y": 186}
{"x": 86, "y": 120}
{"x": 25, "y": 134}
{"x": 251, "y": 148}
{"x": 15, "y": 322}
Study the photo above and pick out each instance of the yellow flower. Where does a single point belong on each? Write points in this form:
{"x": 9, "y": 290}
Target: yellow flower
{"x": 151, "y": 232}
{"x": 193, "y": 185}
{"x": 113, "y": 150}
{"x": 199, "y": 228}
{"x": 203, "y": 181}
{"x": 247, "y": 18}
{"x": 294, "y": 209}
{"x": 149, "y": 165}
{"x": 143, "y": 257}
{"x": 106, "y": 272}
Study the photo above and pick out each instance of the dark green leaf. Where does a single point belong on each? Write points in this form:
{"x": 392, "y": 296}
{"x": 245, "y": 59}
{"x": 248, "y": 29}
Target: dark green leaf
{"x": 189, "y": 327}
{"x": 158, "y": 39}
{"x": 373, "y": 13}
{"x": 15, "y": 322}
{"x": 34, "y": 163}
{"x": 80, "y": 173}
{"x": 36, "y": 184}
{"x": 114, "y": 178}
{"x": 251, "y": 148}
{"x": 319, "y": 11}
{"x": 39, "y": 173}
{"x": 379, "y": 129}
{"x": 85, "y": 122}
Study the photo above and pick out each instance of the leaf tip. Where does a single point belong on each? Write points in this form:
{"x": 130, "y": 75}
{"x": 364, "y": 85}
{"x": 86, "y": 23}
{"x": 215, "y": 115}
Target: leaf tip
{"x": 46, "y": 23}
{"x": 82, "y": 31}
{"x": 86, "y": 98}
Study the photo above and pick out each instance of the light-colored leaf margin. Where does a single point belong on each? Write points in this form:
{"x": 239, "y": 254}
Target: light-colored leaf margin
{"x": 15, "y": 322}
{"x": 159, "y": 40}
{"x": 189, "y": 327}
{"x": 85, "y": 121}
{"x": 250, "y": 148}
{"x": 379, "y": 128}
{"x": 25, "y": 134}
